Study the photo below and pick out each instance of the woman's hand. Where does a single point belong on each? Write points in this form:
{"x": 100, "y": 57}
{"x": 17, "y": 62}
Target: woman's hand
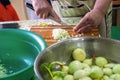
{"x": 91, "y": 20}
{"x": 43, "y": 10}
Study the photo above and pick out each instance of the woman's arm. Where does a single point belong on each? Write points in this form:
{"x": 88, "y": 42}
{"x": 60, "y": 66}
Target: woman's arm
{"x": 94, "y": 17}
{"x": 102, "y": 6}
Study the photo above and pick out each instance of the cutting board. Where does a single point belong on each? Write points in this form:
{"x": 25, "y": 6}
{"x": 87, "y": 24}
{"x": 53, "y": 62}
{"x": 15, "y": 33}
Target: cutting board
{"x": 46, "y": 32}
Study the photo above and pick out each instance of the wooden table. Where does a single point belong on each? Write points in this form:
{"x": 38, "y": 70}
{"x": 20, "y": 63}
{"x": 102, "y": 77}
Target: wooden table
{"x": 46, "y": 32}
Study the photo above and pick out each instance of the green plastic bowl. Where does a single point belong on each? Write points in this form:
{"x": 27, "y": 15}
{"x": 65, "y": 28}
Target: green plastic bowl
{"x": 18, "y": 50}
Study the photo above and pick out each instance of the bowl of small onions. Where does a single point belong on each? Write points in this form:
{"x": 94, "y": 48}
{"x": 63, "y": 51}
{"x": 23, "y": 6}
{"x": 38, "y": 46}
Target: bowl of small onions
{"x": 82, "y": 58}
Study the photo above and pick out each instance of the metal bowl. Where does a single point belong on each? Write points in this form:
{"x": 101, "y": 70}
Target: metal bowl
{"x": 61, "y": 51}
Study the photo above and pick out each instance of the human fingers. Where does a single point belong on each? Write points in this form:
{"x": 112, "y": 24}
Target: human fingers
{"x": 43, "y": 14}
{"x": 81, "y": 23}
{"x": 83, "y": 29}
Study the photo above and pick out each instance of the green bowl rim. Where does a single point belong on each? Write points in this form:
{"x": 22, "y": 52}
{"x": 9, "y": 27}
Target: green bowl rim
{"x": 30, "y": 66}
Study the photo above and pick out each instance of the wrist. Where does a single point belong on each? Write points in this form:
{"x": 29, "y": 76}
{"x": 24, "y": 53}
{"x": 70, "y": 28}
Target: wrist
{"x": 101, "y": 6}
{"x": 99, "y": 12}
{"x": 97, "y": 16}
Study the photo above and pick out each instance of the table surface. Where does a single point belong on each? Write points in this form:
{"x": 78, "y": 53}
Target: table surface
{"x": 46, "y": 32}
{"x": 116, "y": 3}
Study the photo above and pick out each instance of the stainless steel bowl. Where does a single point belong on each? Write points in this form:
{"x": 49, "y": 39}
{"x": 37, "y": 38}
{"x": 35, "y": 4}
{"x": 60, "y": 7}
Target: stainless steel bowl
{"x": 61, "y": 51}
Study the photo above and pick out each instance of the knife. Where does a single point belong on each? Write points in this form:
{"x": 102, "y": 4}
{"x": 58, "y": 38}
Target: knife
{"x": 9, "y": 25}
{"x": 50, "y": 17}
